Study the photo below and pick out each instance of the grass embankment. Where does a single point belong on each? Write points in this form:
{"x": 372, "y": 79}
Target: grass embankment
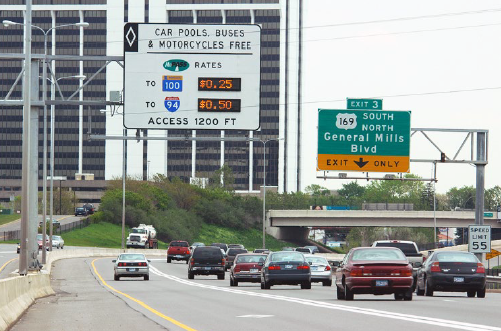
{"x": 110, "y": 236}
{"x": 250, "y": 238}
{"x": 103, "y": 234}
{"x": 4, "y": 219}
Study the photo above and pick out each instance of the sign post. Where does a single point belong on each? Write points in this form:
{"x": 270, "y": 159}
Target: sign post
{"x": 192, "y": 76}
{"x": 364, "y": 140}
{"x": 479, "y": 238}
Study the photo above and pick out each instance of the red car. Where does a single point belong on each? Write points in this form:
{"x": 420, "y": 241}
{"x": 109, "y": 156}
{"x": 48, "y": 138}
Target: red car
{"x": 40, "y": 240}
{"x": 178, "y": 250}
{"x": 374, "y": 270}
{"x": 246, "y": 268}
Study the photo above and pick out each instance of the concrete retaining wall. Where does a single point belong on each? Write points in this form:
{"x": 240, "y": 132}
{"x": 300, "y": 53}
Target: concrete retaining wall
{"x": 19, "y": 292}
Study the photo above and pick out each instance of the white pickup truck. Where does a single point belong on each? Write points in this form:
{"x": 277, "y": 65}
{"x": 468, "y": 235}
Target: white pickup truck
{"x": 410, "y": 249}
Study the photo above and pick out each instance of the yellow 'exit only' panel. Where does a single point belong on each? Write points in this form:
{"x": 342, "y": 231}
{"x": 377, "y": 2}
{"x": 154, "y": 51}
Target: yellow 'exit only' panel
{"x": 364, "y": 163}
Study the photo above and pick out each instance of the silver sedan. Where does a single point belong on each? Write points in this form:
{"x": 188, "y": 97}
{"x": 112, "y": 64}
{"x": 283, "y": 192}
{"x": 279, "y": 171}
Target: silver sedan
{"x": 320, "y": 269}
{"x": 132, "y": 265}
{"x": 57, "y": 242}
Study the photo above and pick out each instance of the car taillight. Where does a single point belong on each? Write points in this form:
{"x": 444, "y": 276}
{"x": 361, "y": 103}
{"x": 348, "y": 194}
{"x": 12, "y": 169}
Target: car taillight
{"x": 274, "y": 267}
{"x": 192, "y": 261}
{"x": 480, "y": 268}
{"x": 356, "y": 272}
{"x": 327, "y": 268}
{"x": 303, "y": 267}
{"x": 223, "y": 262}
{"x": 435, "y": 267}
{"x": 402, "y": 273}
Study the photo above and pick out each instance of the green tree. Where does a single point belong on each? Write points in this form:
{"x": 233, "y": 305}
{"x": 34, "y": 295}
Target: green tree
{"x": 462, "y": 198}
{"x": 492, "y": 198}
{"x": 316, "y": 190}
{"x": 353, "y": 194}
{"x": 226, "y": 175}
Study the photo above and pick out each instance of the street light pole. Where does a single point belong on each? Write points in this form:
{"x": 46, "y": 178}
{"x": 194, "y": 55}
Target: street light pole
{"x": 7, "y": 23}
{"x": 264, "y": 184}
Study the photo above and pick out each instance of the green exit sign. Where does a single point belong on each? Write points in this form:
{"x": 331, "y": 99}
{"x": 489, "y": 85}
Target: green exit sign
{"x": 367, "y": 104}
{"x": 487, "y": 214}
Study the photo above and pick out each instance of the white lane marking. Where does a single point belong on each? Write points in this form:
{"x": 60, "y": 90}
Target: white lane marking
{"x": 446, "y": 300}
{"x": 255, "y": 316}
{"x": 365, "y": 311}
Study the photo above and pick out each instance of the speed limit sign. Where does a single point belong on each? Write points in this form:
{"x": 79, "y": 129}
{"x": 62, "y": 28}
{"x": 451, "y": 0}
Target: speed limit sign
{"x": 479, "y": 238}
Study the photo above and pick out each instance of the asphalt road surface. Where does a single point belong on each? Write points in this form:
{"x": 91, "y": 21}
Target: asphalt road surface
{"x": 88, "y": 298}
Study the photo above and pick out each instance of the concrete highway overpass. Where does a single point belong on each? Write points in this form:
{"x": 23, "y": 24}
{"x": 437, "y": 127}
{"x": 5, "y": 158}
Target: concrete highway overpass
{"x": 293, "y": 224}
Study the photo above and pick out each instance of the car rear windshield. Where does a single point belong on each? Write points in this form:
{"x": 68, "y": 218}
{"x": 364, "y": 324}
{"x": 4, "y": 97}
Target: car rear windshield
{"x": 375, "y": 254}
{"x": 80, "y": 208}
{"x": 235, "y": 251}
{"x": 320, "y": 260}
{"x": 179, "y": 244}
{"x": 132, "y": 257}
{"x": 305, "y": 250}
{"x": 206, "y": 252}
{"x": 407, "y": 248}
{"x": 250, "y": 259}
{"x": 456, "y": 257}
{"x": 287, "y": 257}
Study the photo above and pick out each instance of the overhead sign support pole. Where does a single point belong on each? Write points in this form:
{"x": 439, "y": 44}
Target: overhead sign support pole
{"x": 479, "y": 198}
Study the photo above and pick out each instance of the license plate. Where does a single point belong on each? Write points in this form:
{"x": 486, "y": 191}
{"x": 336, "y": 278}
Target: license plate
{"x": 313, "y": 268}
{"x": 178, "y": 256}
{"x": 458, "y": 279}
{"x": 131, "y": 269}
{"x": 288, "y": 266}
{"x": 381, "y": 283}
{"x": 253, "y": 270}
{"x": 207, "y": 268}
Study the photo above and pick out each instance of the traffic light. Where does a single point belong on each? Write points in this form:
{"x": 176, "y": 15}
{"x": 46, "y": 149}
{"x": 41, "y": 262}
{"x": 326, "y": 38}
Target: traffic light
{"x": 442, "y": 157}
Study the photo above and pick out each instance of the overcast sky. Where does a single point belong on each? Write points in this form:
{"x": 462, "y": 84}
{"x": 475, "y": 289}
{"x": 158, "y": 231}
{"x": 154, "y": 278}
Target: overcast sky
{"x": 413, "y": 54}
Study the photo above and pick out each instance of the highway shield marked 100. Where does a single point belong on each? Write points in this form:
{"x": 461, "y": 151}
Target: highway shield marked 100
{"x": 479, "y": 238}
{"x": 192, "y": 76}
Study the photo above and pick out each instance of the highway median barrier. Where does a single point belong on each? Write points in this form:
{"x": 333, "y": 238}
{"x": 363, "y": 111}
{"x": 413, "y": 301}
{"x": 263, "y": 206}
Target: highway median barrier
{"x": 17, "y": 293}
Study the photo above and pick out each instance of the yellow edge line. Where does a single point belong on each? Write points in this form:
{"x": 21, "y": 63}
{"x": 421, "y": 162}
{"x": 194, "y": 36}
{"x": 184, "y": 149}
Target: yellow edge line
{"x": 5, "y": 264}
{"x": 156, "y": 312}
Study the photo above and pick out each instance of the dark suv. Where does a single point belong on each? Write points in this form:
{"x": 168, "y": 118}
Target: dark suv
{"x": 230, "y": 255}
{"x": 89, "y": 207}
{"x": 81, "y": 211}
{"x": 206, "y": 260}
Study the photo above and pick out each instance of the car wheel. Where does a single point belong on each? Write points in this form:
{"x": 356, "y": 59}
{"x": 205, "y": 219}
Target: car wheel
{"x": 408, "y": 295}
{"x": 231, "y": 281}
{"x": 327, "y": 283}
{"x": 191, "y": 275}
{"x": 428, "y": 290}
{"x": 187, "y": 261}
{"x": 146, "y": 277}
{"x": 220, "y": 276}
{"x": 117, "y": 277}
{"x": 340, "y": 293}
{"x": 419, "y": 291}
{"x": 481, "y": 293}
{"x": 471, "y": 294}
{"x": 62, "y": 247}
{"x": 348, "y": 295}
{"x": 168, "y": 260}
{"x": 306, "y": 285}
{"x": 265, "y": 285}
{"x": 399, "y": 296}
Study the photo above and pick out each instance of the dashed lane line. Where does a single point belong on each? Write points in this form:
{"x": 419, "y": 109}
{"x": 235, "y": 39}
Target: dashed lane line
{"x": 380, "y": 313}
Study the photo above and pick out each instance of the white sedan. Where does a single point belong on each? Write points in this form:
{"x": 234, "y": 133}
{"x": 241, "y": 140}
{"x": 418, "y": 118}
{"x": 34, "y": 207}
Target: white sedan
{"x": 58, "y": 242}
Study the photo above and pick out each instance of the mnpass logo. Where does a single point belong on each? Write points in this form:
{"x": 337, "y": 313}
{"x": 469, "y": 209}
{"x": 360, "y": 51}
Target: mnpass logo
{"x": 176, "y": 65}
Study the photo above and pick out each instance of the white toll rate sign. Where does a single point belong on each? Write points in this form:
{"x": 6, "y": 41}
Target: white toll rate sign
{"x": 479, "y": 238}
{"x": 192, "y": 76}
